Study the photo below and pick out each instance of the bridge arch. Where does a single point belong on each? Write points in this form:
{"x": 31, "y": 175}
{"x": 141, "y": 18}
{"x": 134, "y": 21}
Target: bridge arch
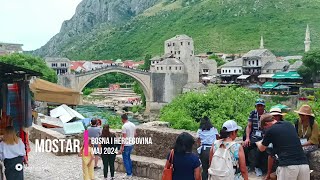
{"x": 143, "y": 79}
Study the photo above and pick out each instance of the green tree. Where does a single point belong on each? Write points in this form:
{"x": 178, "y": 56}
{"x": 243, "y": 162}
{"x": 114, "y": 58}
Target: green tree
{"x": 147, "y": 62}
{"x": 137, "y": 89}
{"x": 31, "y": 62}
{"x": 311, "y": 65}
{"x": 306, "y": 73}
{"x": 219, "y": 61}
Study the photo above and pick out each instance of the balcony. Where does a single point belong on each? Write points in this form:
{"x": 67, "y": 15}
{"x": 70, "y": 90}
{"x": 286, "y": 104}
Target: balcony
{"x": 255, "y": 73}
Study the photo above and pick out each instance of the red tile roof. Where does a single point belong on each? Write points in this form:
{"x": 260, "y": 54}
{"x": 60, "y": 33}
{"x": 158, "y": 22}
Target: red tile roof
{"x": 76, "y": 64}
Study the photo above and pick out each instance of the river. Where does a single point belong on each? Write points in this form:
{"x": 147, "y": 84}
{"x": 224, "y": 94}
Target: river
{"x": 90, "y": 111}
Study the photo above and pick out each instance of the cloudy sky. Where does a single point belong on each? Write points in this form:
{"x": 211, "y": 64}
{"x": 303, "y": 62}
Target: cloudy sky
{"x": 33, "y": 22}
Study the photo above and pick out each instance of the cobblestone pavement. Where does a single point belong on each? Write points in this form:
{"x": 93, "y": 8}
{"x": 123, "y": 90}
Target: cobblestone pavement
{"x": 47, "y": 166}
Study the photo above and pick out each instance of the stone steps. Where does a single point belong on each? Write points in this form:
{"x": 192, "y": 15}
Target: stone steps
{"x": 146, "y": 167}
{"x": 152, "y": 167}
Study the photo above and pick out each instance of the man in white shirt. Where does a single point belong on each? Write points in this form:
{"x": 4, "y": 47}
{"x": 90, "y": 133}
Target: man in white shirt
{"x": 128, "y": 133}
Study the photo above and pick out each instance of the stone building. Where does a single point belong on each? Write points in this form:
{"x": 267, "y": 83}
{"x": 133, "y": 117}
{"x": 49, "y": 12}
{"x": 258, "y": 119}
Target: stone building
{"x": 181, "y": 47}
{"x": 231, "y": 70}
{"x": 207, "y": 69}
{"x": 60, "y": 65}
{"x": 9, "y": 48}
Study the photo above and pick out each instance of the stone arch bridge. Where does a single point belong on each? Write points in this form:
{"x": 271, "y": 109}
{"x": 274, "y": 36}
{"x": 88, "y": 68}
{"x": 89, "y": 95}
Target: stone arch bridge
{"x": 79, "y": 81}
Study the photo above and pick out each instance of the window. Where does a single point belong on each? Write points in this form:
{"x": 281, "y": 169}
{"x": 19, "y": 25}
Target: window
{"x": 222, "y": 71}
{"x": 178, "y": 52}
{"x": 257, "y": 63}
{"x": 157, "y": 68}
{"x": 239, "y": 70}
{"x": 234, "y": 71}
{"x": 180, "y": 68}
{"x": 176, "y": 68}
{"x": 252, "y": 62}
{"x": 229, "y": 71}
{"x": 54, "y": 64}
{"x": 249, "y": 62}
{"x": 179, "y": 58}
{"x": 168, "y": 44}
{"x": 181, "y": 43}
{"x": 169, "y": 67}
{"x": 171, "y": 52}
{"x": 161, "y": 68}
{"x": 172, "y": 44}
{"x": 188, "y": 43}
{"x": 175, "y": 52}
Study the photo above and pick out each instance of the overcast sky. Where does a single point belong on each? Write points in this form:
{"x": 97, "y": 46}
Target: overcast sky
{"x": 33, "y": 22}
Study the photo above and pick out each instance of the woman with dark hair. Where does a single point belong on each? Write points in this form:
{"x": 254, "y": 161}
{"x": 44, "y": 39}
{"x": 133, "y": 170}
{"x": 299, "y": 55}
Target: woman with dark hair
{"x": 206, "y": 135}
{"x": 12, "y": 151}
{"x": 307, "y": 129}
{"x": 228, "y": 134}
{"x": 108, "y": 152}
{"x": 186, "y": 164}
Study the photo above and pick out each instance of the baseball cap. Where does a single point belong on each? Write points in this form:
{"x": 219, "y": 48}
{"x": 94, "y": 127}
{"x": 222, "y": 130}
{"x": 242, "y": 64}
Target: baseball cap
{"x": 231, "y": 125}
{"x": 260, "y": 101}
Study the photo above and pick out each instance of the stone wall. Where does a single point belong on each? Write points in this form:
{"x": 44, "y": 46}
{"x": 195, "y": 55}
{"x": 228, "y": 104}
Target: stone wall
{"x": 39, "y": 132}
{"x": 163, "y": 139}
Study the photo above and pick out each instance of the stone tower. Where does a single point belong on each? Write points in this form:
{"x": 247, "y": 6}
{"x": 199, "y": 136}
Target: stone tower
{"x": 307, "y": 41}
{"x": 181, "y": 47}
{"x": 261, "y": 43}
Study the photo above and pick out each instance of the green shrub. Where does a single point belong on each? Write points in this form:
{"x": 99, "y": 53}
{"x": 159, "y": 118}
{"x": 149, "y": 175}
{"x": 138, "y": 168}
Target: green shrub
{"x": 87, "y": 91}
{"x": 137, "y": 109}
{"x": 219, "y": 104}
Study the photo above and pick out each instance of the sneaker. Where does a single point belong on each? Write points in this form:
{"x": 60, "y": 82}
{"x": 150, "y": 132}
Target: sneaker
{"x": 258, "y": 172}
{"x": 96, "y": 168}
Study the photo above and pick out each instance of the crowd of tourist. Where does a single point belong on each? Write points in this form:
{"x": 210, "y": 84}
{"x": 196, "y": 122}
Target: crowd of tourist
{"x": 270, "y": 146}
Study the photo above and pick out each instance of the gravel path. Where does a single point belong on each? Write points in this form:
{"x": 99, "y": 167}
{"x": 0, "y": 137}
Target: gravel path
{"x": 47, "y": 166}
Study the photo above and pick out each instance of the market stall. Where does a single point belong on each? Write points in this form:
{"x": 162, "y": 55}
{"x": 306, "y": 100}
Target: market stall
{"x": 15, "y": 100}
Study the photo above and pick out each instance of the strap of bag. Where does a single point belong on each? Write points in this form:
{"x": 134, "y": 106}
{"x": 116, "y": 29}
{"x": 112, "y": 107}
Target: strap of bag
{"x": 171, "y": 158}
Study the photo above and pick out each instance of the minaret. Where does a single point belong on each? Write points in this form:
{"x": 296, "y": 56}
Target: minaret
{"x": 307, "y": 41}
{"x": 261, "y": 43}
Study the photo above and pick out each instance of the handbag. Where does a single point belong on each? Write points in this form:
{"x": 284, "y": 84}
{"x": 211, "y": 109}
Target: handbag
{"x": 168, "y": 171}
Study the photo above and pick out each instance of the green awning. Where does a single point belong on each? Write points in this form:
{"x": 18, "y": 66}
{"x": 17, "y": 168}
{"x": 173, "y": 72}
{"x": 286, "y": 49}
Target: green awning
{"x": 281, "y": 106}
{"x": 269, "y": 85}
{"x": 287, "y": 75}
{"x": 282, "y": 87}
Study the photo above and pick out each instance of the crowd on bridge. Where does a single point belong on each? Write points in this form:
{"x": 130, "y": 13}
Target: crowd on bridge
{"x": 107, "y": 66}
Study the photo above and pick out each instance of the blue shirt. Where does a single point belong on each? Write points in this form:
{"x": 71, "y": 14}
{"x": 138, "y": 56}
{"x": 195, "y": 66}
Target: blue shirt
{"x": 207, "y": 136}
{"x": 184, "y": 165}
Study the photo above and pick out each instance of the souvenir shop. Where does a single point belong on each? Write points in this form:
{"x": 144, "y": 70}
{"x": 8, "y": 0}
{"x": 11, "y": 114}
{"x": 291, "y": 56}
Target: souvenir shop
{"x": 15, "y": 100}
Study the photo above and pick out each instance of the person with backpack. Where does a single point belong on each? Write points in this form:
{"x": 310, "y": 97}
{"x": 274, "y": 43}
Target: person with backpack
{"x": 186, "y": 165}
{"x": 227, "y": 159}
{"x": 293, "y": 163}
{"x": 307, "y": 129}
{"x": 206, "y": 135}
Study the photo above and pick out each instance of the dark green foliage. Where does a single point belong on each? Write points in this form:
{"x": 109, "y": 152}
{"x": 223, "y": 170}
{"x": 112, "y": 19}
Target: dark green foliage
{"x": 87, "y": 91}
{"x": 219, "y": 26}
{"x": 311, "y": 65}
{"x": 137, "y": 89}
{"x": 31, "y": 62}
{"x": 110, "y": 78}
{"x": 219, "y": 61}
{"x": 147, "y": 62}
{"x": 219, "y": 104}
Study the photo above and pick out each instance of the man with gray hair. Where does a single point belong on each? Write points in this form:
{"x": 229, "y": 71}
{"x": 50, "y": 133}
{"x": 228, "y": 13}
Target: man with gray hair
{"x": 293, "y": 163}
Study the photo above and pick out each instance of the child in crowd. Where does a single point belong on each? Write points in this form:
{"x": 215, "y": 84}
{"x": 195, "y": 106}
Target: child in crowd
{"x": 87, "y": 162}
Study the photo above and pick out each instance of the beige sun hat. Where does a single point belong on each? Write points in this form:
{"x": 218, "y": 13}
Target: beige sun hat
{"x": 275, "y": 112}
{"x": 305, "y": 110}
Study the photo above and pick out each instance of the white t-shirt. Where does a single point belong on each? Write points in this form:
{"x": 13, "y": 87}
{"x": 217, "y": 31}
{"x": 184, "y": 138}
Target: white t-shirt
{"x": 129, "y": 129}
